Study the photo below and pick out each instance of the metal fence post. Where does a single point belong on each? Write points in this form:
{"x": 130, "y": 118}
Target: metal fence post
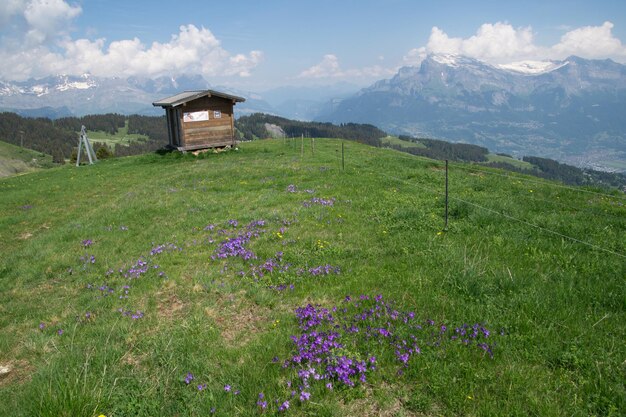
{"x": 446, "y": 225}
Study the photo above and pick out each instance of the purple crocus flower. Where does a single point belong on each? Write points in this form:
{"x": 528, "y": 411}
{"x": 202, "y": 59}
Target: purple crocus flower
{"x": 188, "y": 378}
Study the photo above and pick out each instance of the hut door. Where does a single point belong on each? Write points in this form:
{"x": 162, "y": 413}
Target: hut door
{"x": 179, "y": 127}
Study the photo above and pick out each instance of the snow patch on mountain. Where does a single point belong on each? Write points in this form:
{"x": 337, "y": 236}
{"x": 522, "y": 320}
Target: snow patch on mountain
{"x": 83, "y": 82}
{"x": 533, "y": 67}
{"x": 450, "y": 60}
{"x": 39, "y": 90}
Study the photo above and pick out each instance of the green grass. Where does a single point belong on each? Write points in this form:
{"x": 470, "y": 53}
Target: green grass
{"x": 122, "y": 137}
{"x": 392, "y": 140}
{"x": 16, "y": 160}
{"x": 515, "y": 162}
{"x": 560, "y": 304}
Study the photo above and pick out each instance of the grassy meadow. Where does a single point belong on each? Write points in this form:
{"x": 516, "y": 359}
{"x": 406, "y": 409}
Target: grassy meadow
{"x": 492, "y": 157}
{"x": 16, "y": 160}
{"x": 122, "y": 137}
{"x": 268, "y": 280}
{"x": 392, "y": 140}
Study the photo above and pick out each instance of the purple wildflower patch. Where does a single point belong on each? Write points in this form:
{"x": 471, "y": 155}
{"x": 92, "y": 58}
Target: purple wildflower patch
{"x": 324, "y": 270}
{"x": 136, "y": 315}
{"x": 284, "y": 406}
{"x": 336, "y": 345}
{"x": 237, "y": 246}
{"x": 327, "y": 202}
{"x": 188, "y": 378}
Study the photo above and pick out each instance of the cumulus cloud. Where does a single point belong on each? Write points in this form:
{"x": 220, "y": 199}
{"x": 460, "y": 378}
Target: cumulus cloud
{"x": 502, "y": 43}
{"x": 496, "y": 43}
{"x": 44, "y": 48}
{"x": 329, "y": 68}
{"x": 193, "y": 50}
{"x": 591, "y": 42}
{"x": 48, "y": 19}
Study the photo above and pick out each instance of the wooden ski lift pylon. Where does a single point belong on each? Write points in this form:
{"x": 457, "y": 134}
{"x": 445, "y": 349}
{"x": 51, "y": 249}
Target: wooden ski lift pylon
{"x": 88, "y": 148}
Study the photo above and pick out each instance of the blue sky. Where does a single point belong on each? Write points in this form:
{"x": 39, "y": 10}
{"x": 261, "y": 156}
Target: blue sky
{"x": 256, "y": 45}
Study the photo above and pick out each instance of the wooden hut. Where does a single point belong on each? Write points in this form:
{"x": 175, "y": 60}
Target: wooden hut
{"x": 200, "y": 119}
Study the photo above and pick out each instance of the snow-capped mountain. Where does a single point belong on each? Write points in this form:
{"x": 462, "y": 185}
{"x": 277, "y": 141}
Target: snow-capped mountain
{"x": 66, "y": 95}
{"x": 571, "y": 110}
{"x": 47, "y": 85}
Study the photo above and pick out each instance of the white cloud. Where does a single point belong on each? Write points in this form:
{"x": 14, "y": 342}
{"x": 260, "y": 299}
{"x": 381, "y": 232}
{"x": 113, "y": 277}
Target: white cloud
{"x": 499, "y": 42}
{"x": 502, "y": 43}
{"x": 591, "y": 42}
{"x": 329, "y": 68}
{"x": 414, "y": 57}
{"x": 44, "y": 47}
{"x": 48, "y": 18}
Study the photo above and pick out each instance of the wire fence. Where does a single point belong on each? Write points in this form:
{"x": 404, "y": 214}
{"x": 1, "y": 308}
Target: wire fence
{"x": 521, "y": 177}
{"x": 369, "y": 162}
{"x": 507, "y": 216}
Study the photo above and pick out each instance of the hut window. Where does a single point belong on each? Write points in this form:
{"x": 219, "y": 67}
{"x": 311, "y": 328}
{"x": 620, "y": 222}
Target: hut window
{"x": 217, "y": 114}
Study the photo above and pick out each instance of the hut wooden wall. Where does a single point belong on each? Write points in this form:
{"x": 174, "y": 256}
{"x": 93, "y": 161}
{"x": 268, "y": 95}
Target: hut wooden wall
{"x": 212, "y": 132}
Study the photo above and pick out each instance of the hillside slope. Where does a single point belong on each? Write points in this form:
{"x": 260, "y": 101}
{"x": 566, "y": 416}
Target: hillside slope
{"x": 16, "y": 160}
{"x": 269, "y": 278}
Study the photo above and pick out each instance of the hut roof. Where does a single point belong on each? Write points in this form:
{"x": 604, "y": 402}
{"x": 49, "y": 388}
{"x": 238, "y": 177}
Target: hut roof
{"x": 186, "y": 96}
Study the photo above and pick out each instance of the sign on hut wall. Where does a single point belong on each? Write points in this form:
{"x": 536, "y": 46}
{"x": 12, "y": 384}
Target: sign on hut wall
{"x": 196, "y": 116}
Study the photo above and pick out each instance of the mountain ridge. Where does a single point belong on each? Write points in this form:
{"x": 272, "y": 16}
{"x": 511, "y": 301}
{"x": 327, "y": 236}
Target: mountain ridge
{"x": 70, "y": 95}
{"x": 569, "y": 112}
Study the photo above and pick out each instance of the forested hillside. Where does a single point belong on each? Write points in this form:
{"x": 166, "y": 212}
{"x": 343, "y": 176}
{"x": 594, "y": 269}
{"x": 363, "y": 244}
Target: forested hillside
{"x": 60, "y": 137}
{"x": 253, "y": 127}
{"x": 38, "y": 134}
{"x": 439, "y": 149}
